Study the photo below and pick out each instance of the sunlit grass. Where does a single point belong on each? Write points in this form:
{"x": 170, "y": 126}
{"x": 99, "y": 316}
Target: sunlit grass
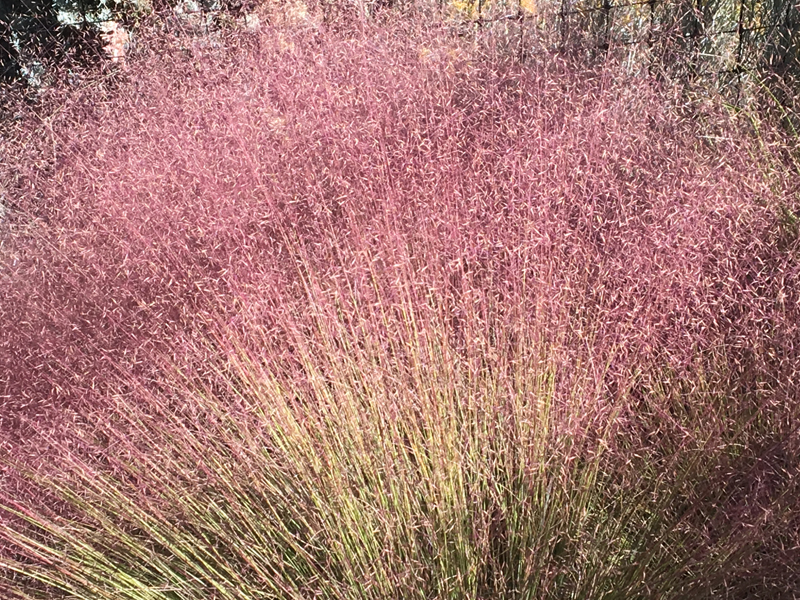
{"x": 332, "y": 317}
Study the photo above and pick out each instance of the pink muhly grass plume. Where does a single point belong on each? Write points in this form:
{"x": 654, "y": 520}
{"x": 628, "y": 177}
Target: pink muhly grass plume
{"x": 384, "y": 314}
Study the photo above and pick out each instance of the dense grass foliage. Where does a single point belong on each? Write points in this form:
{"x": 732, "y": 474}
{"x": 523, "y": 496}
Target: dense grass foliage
{"x": 381, "y": 314}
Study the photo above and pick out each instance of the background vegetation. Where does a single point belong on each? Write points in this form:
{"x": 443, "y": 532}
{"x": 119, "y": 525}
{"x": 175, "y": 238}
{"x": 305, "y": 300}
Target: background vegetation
{"x": 721, "y": 38}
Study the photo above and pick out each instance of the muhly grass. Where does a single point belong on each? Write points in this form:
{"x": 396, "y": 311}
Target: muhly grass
{"x": 385, "y": 315}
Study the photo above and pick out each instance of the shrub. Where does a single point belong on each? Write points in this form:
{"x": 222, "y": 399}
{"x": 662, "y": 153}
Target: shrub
{"x": 383, "y": 315}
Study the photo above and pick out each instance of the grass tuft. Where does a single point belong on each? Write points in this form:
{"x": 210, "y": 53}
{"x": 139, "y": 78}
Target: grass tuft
{"x": 384, "y": 315}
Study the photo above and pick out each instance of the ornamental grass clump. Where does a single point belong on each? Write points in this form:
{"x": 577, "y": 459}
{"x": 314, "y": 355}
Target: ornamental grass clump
{"x": 382, "y": 314}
